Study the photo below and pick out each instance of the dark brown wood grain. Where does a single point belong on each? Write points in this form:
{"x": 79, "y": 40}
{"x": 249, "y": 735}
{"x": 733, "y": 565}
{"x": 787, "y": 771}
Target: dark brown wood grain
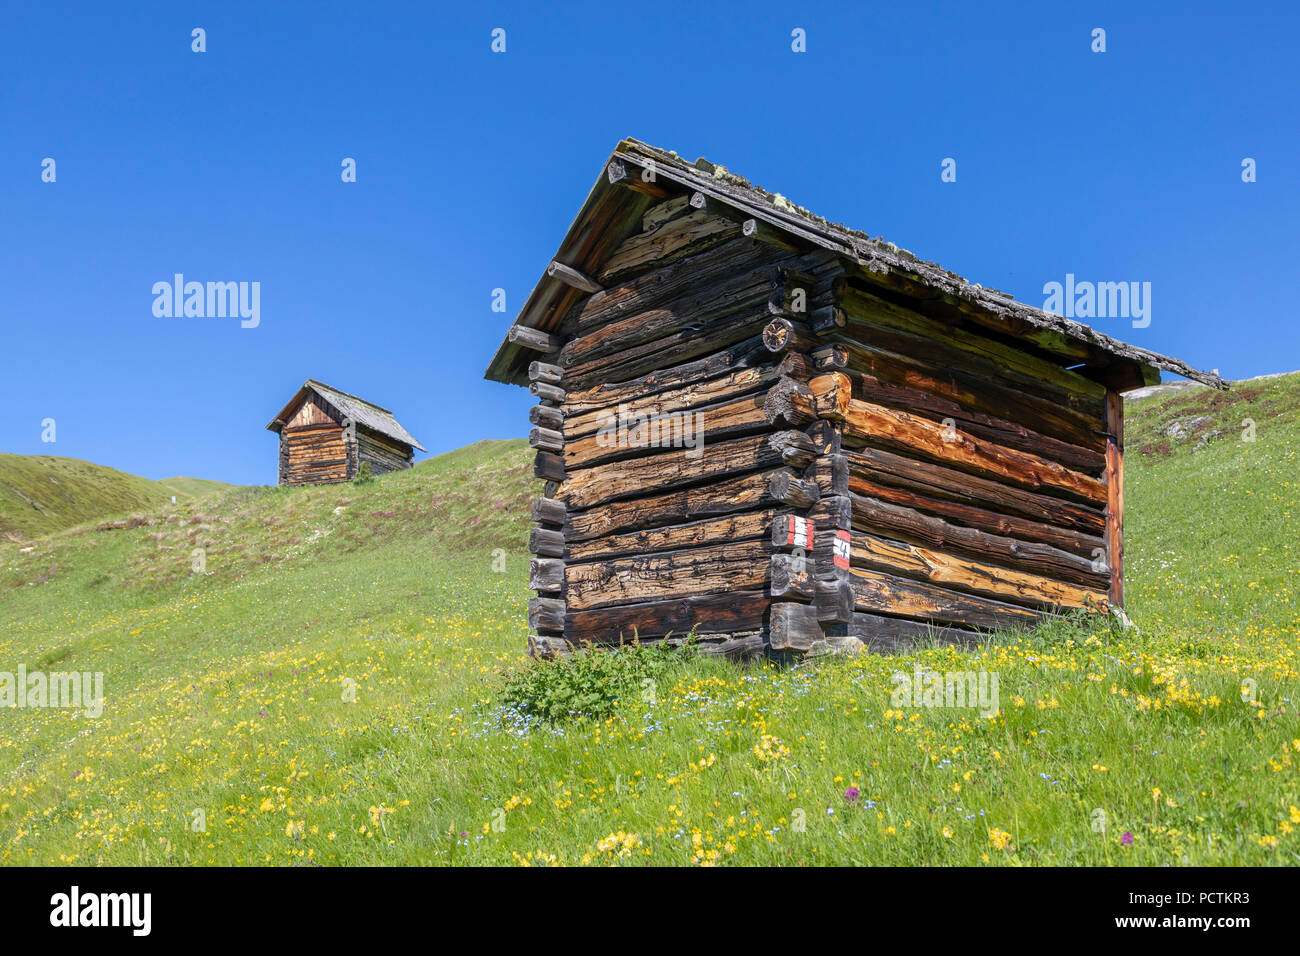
{"x": 1115, "y": 495}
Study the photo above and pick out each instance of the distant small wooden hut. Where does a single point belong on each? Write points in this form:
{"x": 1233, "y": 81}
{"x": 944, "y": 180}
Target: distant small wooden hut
{"x": 326, "y": 434}
{"x": 791, "y": 437}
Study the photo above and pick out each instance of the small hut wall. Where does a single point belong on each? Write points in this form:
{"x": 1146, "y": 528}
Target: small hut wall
{"x": 955, "y": 480}
{"x": 383, "y": 453}
{"x": 316, "y": 454}
{"x": 647, "y": 536}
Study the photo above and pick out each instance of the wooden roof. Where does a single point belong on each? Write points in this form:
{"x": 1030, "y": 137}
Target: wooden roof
{"x": 621, "y": 195}
{"x": 365, "y": 414}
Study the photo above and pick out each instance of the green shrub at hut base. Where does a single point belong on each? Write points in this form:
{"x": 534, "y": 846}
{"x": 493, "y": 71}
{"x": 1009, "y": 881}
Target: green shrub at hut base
{"x": 364, "y": 477}
{"x": 590, "y": 684}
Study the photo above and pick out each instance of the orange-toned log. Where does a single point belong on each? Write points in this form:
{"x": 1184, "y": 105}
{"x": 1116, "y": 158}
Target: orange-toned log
{"x": 1115, "y": 494}
{"x": 951, "y": 446}
{"x": 944, "y": 569}
{"x": 889, "y": 594}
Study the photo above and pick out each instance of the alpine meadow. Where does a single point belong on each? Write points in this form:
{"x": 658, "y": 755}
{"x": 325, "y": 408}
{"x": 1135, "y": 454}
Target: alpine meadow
{"x": 337, "y": 675}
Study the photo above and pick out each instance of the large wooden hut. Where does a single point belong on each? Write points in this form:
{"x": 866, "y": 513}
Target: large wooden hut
{"x": 326, "y": 434}
{"x": 888, "y": 451}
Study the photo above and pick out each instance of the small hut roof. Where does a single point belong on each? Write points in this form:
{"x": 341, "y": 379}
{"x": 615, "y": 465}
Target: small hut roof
{"x": 365, "y": 414}
{"x": 610, "y": 212}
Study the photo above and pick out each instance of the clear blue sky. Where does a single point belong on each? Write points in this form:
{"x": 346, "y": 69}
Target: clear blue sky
{"x": 225, "y": 166}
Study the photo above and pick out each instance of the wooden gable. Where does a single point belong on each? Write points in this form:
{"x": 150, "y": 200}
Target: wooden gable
{"x": 314, "y": 412}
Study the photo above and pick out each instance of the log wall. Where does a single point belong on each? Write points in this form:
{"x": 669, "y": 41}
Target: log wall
{"x": 320, "y": 446}
{"x": 977, "y": 471}
{"x": 666, "y": 469}
{"x": 869, "y": 475}
{"x": 383, "y": 453}
{"x": 314, "y": 455}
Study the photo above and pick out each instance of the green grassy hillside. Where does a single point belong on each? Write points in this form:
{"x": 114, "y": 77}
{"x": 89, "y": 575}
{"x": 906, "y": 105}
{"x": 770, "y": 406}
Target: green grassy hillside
{"x": 40, "y": 494}
{"x": 183, "y": 487}
{"x": 318, "y": 676}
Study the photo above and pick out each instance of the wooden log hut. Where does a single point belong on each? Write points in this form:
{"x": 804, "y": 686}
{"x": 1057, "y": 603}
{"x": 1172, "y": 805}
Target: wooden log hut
{"x": 326, "y": 434}
{"x": 792, "y": 438}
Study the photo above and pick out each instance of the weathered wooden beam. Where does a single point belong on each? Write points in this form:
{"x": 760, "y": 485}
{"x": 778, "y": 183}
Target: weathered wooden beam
{"x": 546, "y": 575}
{"x": 953, "y": 344}
{"x": 1121, "y": 376}
{"x": 917, "y": 365}
{"x": 662, "y": 471}
{"x": 664, "y": 212}
{"x": 544, "y": 647}
{"x": 724, "y": 612}
{"x": 547, "y": 416}
{"x": 549, "y": 393}
{"x": 546, "y": 614}
{"x": 832, "y": 512}
{"x": 635, "y": 179}
{"x": 759, "y": 229}
{"x": 830, "y": 358}
{"x": 792, "y": 577}
{"x": 796, "y": 448}
{"x": 1115, "y": 495}
{"x": 724, "y": 529}
{"x": 798, "y": 403}
{"x": 792, "y": 402}
{"x": 778, "y": 334}
{"x": 888, "y": 634}
{"x": 1001, "y": 429}
{"x": 546, "y": 440}
{"x": 694, "y": 232}
{"x": 605, "y": 394}
{"x": 874, "y": 465}
{"x": 908, "y": 524}
{"x": 793, "y": 627}
{"x": 724, "y": 496}
{"x": 891, "y": 594}
{"x": 946, "y": 570}
{"x": 788, "y": 489}
{"x": 792, "y": 293}
{"x": 709, "y": 392}
{"x": 572, "y": 277}
{"x": 686, "y": 284}
{"x": 549, "y": 511}
{"x": 724, "y": 567}
{"x": 546, "y": 543}
{"x": 534, "y": 339}
{"x": 545, "y": 372}
{"x": 867, "y": 420}
{"x": 735, "y": 647}
{"x": 696, "y": 431}
{"x": 549, "y": 466}
{"x": 661, "y": 339}
{"x": 834, "y": 599}
{"x": 922, "y": 498}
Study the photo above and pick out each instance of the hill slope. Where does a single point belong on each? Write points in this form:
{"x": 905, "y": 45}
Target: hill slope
{"x": 183, "y": 487}
{"x": 40, "y": 494}
{"x": 317, "y": 672}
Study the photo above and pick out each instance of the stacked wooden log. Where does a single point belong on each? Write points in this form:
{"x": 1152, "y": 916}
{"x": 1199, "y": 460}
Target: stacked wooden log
{"x": 754, "y": 442}
{"x": 976, "y": 471}
{"x": 315, "y": 454}
{"x": 384, "y": 454}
